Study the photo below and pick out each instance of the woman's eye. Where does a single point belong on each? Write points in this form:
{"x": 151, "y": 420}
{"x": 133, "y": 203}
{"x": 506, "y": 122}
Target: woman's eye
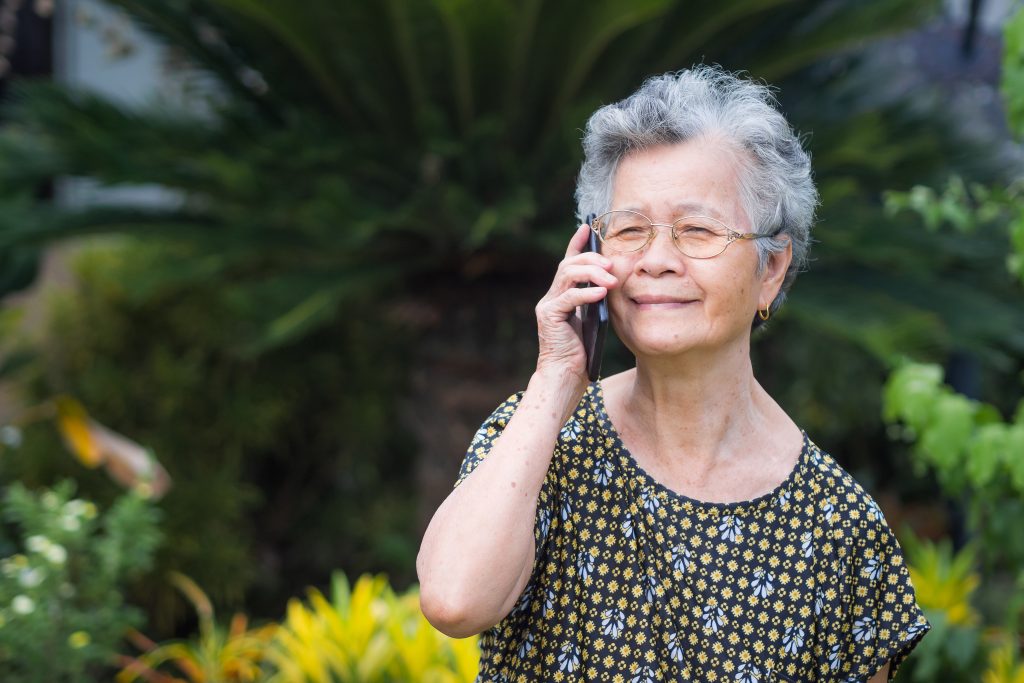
{"x": 695, "y": 230}
{"x": 631, "y": 232}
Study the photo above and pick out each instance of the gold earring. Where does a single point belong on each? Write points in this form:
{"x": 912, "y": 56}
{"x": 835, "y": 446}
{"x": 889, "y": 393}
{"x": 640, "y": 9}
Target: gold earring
{"x": 766, "y": 313}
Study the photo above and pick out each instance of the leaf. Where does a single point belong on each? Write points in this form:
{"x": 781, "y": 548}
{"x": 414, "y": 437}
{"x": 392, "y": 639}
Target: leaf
{"x": 985, "y": 455}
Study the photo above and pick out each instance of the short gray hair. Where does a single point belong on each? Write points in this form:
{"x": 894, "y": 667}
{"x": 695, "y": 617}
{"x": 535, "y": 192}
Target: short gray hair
{"x": 776, "y": 187}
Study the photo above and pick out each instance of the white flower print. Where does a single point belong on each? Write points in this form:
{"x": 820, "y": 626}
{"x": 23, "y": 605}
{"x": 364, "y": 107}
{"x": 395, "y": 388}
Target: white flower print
{"x": 681, "y": 558}
{"x": 544, "y": 524}
{"x": 571, "y": 430}
{"x": 612, "y": 622}
{"x": 763, "y": 583}
{"x": 603, "y": 472}
{"x": 807, "y": 543}
{"x": 864, "y": 629}
{"x": 524, "y": 601}
{"x": 651, "y": 588}
{"x": 549, "y": 601}
{"x": 585, "y": 564}
{"x": 915, "y": 629}
{"x": 872, "y": 569}
{"x": 828, "y": 509}
{"x": 819, "y": 601}
{"x": 650, "y": 502}
{"x": 526, "y": 645}
{"x": 748, "y": 673}
{"x": 569, "y": 657}
{"x": 713, "y": 617}
{"x": 566, "y": 510}
{"x": 675, "y": 646}
{"x": 834, "y": 660}
{"x": 793, "y": 640}
{"x": 874, "y": 512}
{"x": 784, "y": 496}
{"x": 627, "y": 525}
{"x": 643, "y": 675}
{"x": 731, "y": 528}
{"x": 479, "y": 436}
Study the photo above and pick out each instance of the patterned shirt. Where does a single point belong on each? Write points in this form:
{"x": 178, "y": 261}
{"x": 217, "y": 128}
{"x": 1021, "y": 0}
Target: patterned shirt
{"x": 635, "y": 583}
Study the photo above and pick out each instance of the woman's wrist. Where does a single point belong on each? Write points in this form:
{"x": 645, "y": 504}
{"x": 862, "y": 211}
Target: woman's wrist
{"x": 557, "y": 389}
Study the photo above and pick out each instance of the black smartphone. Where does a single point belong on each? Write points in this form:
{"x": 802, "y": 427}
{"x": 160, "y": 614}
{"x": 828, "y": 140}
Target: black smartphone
{"x": 595, "y": 317}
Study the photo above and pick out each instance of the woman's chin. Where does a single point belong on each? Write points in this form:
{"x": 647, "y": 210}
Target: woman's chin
{"x": 666, "y": 344}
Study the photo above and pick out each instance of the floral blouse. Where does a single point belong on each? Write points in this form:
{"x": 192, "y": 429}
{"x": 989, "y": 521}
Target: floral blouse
{"x": 635, "y": 583}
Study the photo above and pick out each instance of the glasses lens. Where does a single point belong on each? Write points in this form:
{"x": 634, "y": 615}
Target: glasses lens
{"x": 701, "y": 236}
{"x": 623, "y": 230}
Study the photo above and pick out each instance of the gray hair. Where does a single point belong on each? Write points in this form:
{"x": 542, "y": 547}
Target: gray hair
{"x": 776, "y": 188}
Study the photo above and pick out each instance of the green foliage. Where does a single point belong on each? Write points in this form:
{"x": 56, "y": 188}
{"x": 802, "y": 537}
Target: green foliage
{"x": 964, "y": 440}
{"x": 950, "y": 653}
{"x": 352, "y": 153}
{"x": 1013, "y": 71}
{"x": 62, "y": 581}
{"x": 961, "y": 643}
{"x": 216, "y": 655}
{"x": 408, "y": 148}
{"x": 267, "y": 458}
{"x": 970, "y": 208}
{"x": 431, "y": 141}
{"x": 366, "y": 634}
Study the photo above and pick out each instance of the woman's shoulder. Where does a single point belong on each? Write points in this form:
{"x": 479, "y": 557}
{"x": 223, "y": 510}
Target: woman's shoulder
{"x": 844, "y": 503}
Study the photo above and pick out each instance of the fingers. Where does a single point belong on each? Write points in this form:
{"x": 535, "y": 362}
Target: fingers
{"x": 559, "y": 308}
{"x": 577, "y": 296}
{"x": 578, "y": 242}
{"x": 581, "y": 273}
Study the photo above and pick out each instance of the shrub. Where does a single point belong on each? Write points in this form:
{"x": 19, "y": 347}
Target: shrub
{"x": 62, "y": 611}
{"x": 367, "y": 634}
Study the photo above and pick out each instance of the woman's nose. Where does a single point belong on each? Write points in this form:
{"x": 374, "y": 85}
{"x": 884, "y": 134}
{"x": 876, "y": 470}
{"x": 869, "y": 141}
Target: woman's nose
{"x": 661, "y": 254}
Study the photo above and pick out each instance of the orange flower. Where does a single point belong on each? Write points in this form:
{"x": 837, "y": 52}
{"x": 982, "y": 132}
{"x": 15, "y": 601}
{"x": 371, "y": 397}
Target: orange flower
{"x": 127, "y": 462}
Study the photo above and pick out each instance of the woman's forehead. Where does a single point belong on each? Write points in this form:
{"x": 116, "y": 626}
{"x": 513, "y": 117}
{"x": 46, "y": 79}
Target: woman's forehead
{"x": 679, "y": 209}
{"x": 693, "y": 177}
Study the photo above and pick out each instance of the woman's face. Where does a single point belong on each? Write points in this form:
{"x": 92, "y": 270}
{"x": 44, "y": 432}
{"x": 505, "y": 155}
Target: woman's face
{"x": 668, "y": 303}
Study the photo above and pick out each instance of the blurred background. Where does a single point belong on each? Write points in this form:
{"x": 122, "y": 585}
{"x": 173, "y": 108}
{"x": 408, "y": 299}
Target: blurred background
{"x": 265, "y": 266}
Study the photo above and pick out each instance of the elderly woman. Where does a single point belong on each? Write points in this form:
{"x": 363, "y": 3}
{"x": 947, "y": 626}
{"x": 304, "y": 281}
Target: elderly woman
{"x": 670, "y": 523}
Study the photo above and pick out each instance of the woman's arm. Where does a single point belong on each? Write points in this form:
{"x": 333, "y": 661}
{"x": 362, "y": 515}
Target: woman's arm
{"x": 478, "y": 551}
{"x": 882, "y": 676}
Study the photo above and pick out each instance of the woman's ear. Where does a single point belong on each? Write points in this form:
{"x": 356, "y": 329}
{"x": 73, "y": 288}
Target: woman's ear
{"x": 776, "y": 269}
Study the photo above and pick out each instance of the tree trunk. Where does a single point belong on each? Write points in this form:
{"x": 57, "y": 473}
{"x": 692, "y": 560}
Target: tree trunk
{"x": 476, "y": 345}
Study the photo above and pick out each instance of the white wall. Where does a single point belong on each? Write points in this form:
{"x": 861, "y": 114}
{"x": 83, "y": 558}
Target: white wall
{"x": 99, "y": 49}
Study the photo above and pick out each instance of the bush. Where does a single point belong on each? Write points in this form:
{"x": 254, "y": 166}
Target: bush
{"x": 62, "y": 611}
{"x": 365, "y": 634}
{"x": 285, "y": 467}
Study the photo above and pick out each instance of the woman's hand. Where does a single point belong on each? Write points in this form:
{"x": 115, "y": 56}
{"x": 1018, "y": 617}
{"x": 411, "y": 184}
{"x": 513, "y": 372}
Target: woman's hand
{"x": 558, "y": 327}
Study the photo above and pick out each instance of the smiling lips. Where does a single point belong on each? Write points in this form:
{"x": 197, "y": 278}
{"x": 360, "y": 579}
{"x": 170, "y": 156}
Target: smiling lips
{"x": 659, "y": 302}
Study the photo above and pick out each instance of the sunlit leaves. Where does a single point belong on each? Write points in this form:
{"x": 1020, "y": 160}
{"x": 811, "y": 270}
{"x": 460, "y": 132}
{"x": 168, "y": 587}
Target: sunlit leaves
{"x": 963, "y": 440}
{"x": 367, "y": 633}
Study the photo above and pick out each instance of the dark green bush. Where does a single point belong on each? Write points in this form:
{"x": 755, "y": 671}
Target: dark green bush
{"x": 284, "y": 468}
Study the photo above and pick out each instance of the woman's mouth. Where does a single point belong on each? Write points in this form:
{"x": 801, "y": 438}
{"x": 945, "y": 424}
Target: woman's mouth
{"x": 659, "y": 303}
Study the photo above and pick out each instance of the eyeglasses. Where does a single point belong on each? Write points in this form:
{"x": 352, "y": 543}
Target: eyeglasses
{"x": 699, "y": 237}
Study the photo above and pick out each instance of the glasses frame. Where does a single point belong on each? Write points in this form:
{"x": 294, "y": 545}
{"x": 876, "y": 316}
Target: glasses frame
{"x": 731, "y": 235}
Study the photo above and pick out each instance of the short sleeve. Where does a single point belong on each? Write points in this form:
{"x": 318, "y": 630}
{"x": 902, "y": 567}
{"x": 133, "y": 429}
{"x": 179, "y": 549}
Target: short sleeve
{"x": 884, "y": 623}
{"x": 480, "y": 447}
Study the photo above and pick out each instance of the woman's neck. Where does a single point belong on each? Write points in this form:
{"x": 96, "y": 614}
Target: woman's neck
{"x": 700, "y": 412}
